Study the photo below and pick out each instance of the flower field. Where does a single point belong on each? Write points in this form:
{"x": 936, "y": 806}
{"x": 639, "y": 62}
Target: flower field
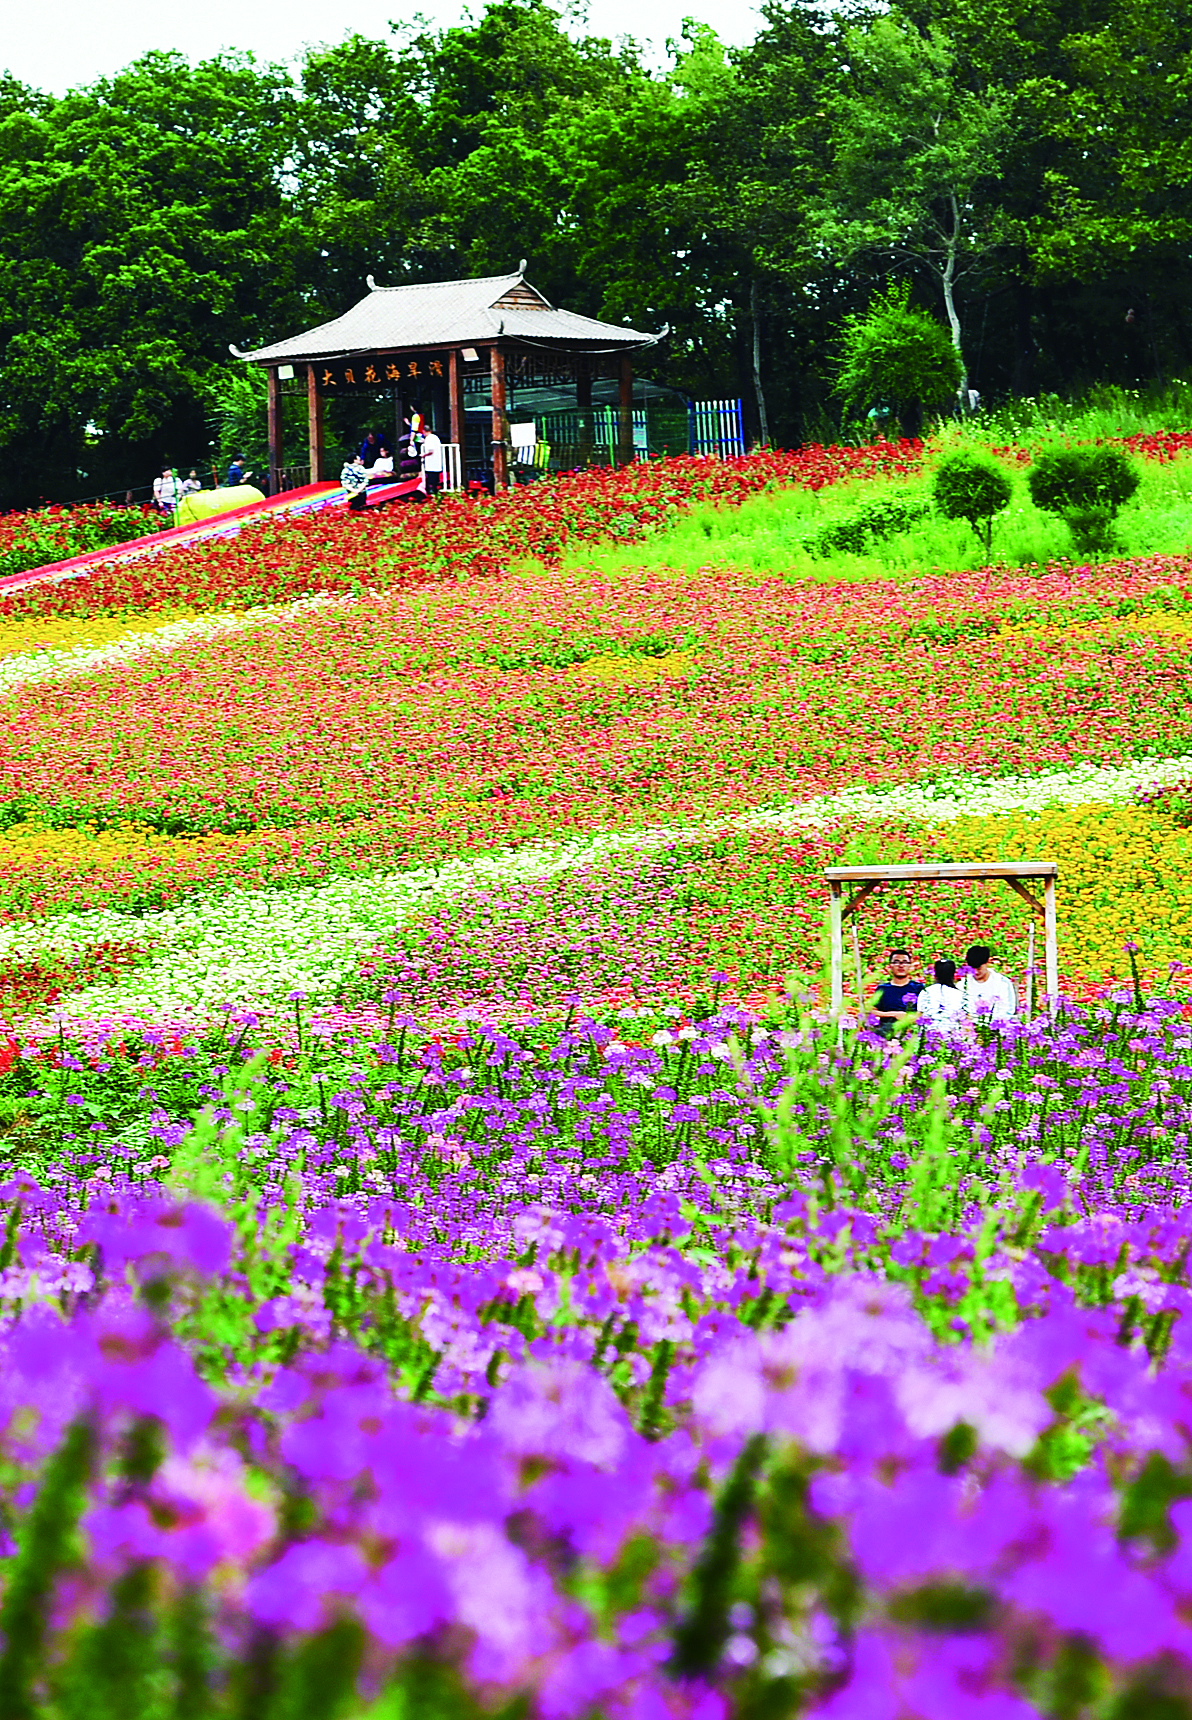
{"x": 451, "y": 1264}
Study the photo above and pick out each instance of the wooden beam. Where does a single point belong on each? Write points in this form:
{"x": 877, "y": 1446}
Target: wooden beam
{"x": 275, "y": 448}
{"x": 455, "y": 401}
{"x": 858, "y": 896}
{"x": 1028, "y": 896}
{"x": 314, "y": 424}
{"x": 943, "y": 871}
{"x": 496, "y": 363}
{"x": 625, "y": 411}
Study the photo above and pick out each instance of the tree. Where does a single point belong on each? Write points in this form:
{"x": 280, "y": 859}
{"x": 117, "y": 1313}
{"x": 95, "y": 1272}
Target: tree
{"x": 898, "y": 356}
{"x": 972, "y": 487}
{"x": 914, "y": 154}
{"x": 144, "y": 228}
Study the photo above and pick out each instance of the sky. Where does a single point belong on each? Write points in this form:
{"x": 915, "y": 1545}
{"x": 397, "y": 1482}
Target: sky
{"x": 83, "y": 40}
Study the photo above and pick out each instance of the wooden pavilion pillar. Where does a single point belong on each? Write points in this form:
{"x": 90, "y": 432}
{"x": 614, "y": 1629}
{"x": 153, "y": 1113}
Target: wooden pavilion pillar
{"x": 455, "y": 404}
{"x": 583, "y": 402}
{"x": 500, "y": 427}
{"x": 275, "y": 448}
{"x": 625, "y": 427}
{"x": 314, "y": 424}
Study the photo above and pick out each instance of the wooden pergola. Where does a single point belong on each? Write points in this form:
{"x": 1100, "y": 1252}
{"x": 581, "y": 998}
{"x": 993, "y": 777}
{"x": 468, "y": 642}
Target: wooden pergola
{"x": 861, "y": 881}
{"x": 433, "y": 343}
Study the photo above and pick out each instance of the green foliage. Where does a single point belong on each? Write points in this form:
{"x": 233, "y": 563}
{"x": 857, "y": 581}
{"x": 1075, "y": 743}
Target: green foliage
{"x": 53, "y": 534}
{"x": 1025, "y": 167}
{"x": 873, "y": 522}
{"x": 46, "y": 1543}
{"x": 1086, "y": 487}
{"x": 970, "y": 488}
{"x": 896, "y": 355}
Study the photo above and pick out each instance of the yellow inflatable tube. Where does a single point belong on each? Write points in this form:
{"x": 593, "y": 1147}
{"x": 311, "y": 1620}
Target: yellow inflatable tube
{"x": 207, "y": 504}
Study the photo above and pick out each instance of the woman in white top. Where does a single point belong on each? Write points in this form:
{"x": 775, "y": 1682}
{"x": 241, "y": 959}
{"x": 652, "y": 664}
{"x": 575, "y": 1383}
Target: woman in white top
{"x": 941, "y": 1004}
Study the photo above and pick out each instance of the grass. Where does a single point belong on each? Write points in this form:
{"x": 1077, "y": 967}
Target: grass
{"x": 769, "y": 534}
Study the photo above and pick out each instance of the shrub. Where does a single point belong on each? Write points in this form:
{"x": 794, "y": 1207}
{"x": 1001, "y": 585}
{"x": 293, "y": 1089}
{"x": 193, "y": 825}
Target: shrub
{"x": 871, "y": 523}
{"x": 968, "y": 487}
{"x": 899, "y": 356}
{"x": 1085, "y": 487}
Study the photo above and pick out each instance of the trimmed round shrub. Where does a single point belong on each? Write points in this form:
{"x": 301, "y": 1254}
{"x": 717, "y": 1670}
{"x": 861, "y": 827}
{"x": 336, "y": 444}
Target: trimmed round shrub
{"x": 1085, "y": 487}
{"x": 973, "y": 488}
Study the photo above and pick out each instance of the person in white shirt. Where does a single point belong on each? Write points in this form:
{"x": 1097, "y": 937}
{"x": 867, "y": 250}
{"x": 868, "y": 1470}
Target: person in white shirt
{"x": 987, "y": 993}
{"x": 941, "y": 1005}
{"x": 432, "y": 461}
{"x": 167, "y": 491}
{"x": 382, "y": 466}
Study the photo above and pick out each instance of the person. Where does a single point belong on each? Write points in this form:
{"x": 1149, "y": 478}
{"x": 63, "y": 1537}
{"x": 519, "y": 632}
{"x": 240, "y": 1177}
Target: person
{"x": 382, "y": 466}
{"x": 191, "y": 484}
{"x": 410, "y": 448}
{"x": 986, "y": 992}
{"x": 941, "y": 1004}
{"x": 237, "y": 473}
{"x": 432, "y": 461}
{"x": 354, "y": 479}
{"x": 167, "y": 491}
{"x": 369, "y": 449}
{"x": 897, "y": 995}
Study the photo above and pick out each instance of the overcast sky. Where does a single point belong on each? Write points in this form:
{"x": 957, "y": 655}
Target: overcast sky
{"x": 78, "y": 40}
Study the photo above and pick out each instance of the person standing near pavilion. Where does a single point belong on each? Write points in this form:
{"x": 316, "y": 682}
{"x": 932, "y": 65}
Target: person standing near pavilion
{"x": 237, "y": 473}
{"x": 988, "y": 995}
{"x": 432, "y": 461}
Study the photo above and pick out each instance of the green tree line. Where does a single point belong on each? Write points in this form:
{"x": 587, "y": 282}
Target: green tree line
{"x": 1025, "y": 167}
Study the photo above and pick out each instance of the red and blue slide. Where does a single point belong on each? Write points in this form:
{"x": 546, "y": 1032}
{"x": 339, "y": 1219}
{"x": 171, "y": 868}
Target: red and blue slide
{"x": 310, "y": 499}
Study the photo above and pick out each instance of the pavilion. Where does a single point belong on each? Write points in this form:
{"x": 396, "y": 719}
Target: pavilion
{"x": 432, "y": 345}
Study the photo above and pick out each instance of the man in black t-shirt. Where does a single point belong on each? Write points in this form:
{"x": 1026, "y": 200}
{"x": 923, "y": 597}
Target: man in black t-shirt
{"x": 896, "y": 996}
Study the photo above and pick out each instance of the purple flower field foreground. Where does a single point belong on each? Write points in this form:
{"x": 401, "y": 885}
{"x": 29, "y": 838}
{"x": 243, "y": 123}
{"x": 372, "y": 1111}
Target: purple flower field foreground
{"x": 714, "y": 1369}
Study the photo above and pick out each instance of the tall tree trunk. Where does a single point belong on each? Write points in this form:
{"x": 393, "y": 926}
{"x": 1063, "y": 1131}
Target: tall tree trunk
{"x": 949, "y": 282}
{"x": 763, "y": 421}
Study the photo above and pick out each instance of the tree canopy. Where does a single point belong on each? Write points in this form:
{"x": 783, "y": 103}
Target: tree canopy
{"x": 1025, "y": 171}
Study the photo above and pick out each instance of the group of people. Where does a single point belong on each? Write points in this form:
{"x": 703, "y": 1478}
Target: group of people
{"x": 947, "y": 1004}
{"x": 169, "y": 489}
{"x": 420, "y": 453}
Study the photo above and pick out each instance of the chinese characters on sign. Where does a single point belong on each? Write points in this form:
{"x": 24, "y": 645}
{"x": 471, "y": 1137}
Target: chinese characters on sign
{"x": 374, "y": 371}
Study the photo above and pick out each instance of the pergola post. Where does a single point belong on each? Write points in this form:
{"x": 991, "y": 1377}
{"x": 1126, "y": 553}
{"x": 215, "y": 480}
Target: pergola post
{"x": 314, "y": 424}
{"x": 275, "y": 448}
{"x": 583, "y": 406}
{"x": 455, "y": 402}
{"x": 836, "y": 921}
{"x": 625, "y": 404}
{"x": 500, "y": 428}
{"x": 1051, "y": 945}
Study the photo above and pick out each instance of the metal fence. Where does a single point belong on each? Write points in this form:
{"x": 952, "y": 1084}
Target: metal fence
{"x": 716, "y": 427}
